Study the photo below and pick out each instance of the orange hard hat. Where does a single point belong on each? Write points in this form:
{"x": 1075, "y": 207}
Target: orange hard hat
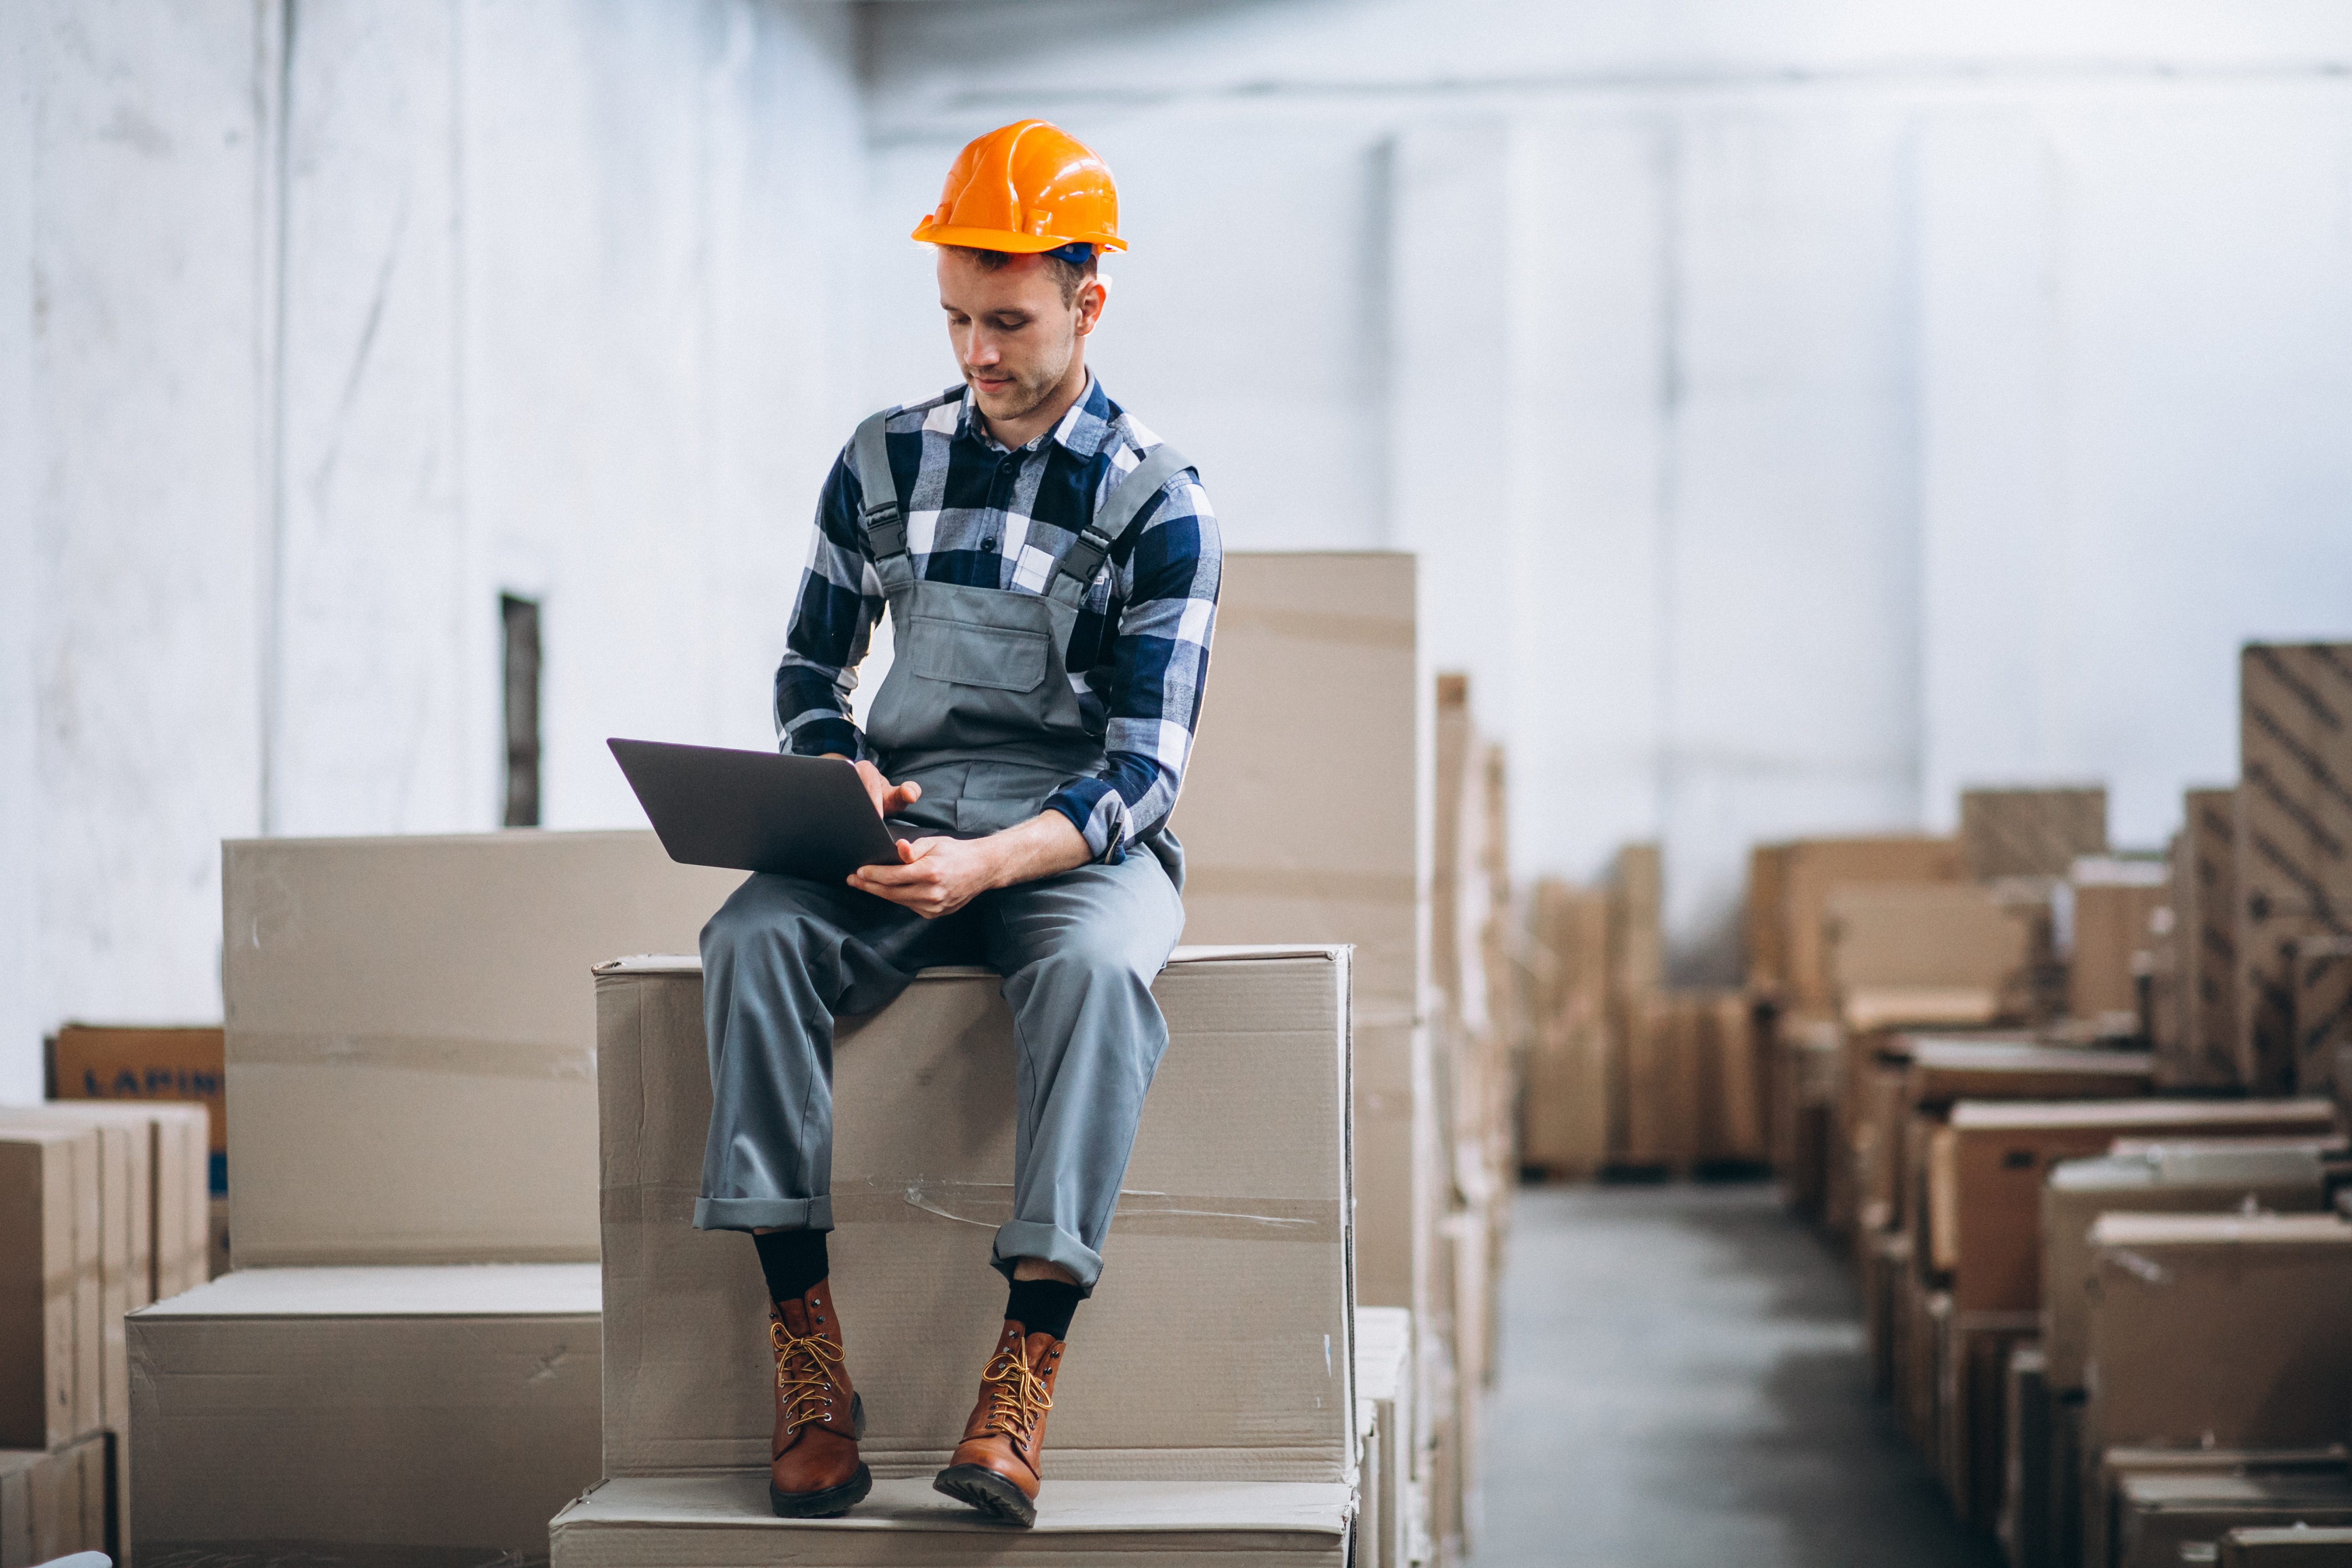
{"x": 1027, "y": 186}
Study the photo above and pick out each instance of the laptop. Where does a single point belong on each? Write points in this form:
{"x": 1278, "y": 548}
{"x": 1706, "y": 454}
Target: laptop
{"x": 758, "y": 811}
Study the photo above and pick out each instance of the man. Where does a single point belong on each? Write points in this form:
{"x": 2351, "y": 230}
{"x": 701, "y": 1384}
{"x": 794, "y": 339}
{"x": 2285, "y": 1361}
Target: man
{"x": 1050, "y": 569}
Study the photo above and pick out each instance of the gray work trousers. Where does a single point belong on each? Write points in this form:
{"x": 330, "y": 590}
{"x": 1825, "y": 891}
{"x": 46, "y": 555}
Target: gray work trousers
{"x": 784, "y": 956}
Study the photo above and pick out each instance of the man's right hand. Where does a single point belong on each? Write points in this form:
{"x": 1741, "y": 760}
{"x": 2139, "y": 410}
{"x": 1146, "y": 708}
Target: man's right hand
{"x": 889, "y": 798}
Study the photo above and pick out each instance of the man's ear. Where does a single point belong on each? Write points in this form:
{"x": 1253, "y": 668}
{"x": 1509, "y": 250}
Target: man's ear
{"x": 1093, "y": 298}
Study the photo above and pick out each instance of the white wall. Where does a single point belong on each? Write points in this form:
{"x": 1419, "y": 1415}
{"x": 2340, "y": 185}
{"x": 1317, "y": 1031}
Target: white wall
{"x": 1812, "y": 408}
{"x": 1806, "y": 408}
{"x": 326, "y": 324}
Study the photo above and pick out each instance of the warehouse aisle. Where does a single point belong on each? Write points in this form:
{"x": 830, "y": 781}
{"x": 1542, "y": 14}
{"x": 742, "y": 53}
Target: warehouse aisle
{"x": 1684, "y": 1386}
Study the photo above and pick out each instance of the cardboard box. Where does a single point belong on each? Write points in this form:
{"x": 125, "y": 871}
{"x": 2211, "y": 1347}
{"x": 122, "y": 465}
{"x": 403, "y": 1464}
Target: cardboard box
{"x": 2025, "y": 1518}
{"x": 1340, "y": 625}
{"x": 1987, "y": 1163}
{"x": 2113, "y": 940}
{"x": 1240, "y": 1173}
{"x": 2104, "y": 1472}
{"x": 1972, "y": 1395}
{"x": 1929, "y": 952}
{"x": 408, "y": 1031}
{"x": 123, "y": 1223}
{"x": 2205, "y": 1181}
{"x": 2295, "y": 836}
{"x": 53, "y": 1503}
{"x": 2222, "y": 1332}
{"x": 1812, "y": 867}
{"x": 2323, "y": 1013}
{"x": 2205, "y": 912}
{"x": 1640, "y": 1072}
{"x": 167, "y": 1170}
{"x": 1564, "y": 1120}
{"x": 1807, "y": 1082}
{"x": 50, "y": 1293}
{"x": 2291, "y": 1546}
{"x": 1944, "y": 1069}
{"x": 2031, "y": 832}
{"x": 2069, "y": 1537}
{"x": 90, "y": 1061}
{"x": 374, "y": 1415}
{"x": 1731, "y": 1083}
{"x": 2164, "y": 1520}
{"x": 1761, "y": 921}
{"x": 1387, "y": 1510}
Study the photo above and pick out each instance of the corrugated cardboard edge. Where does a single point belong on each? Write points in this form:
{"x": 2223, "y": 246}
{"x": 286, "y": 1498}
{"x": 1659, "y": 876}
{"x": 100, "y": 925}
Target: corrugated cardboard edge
{"x": 691, "y": 963}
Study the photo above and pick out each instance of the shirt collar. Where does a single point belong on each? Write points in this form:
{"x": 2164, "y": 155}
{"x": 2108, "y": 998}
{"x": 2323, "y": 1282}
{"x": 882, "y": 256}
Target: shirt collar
{"x": 1083, "y": 430}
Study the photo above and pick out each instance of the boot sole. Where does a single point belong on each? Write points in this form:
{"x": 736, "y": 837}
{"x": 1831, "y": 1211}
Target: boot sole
{"x": 833, "y": 1501}
{"x": 830, "y": 1503}
{"x": 984, "y": 1490}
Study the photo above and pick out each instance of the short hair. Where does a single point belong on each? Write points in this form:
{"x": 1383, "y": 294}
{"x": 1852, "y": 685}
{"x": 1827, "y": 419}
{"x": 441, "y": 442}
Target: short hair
{"x": 1071, "y": 275}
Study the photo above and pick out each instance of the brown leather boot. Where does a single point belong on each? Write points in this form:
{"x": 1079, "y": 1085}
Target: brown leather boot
{"x": 995, "y": 1467}
{"x": 816, "y": 1473}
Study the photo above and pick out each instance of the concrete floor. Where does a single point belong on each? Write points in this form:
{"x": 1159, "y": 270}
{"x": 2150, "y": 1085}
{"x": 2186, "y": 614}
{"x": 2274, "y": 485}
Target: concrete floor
{"x": 1683, "y": 1383}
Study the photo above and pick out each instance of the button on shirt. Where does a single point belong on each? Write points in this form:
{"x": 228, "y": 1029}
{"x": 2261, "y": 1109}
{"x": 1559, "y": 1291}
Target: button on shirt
{"x": 984, "y": 516}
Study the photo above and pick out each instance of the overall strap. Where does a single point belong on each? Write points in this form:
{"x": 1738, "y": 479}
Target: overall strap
{"x": 884, "y": 521}
{"x": 1078, "y": 565}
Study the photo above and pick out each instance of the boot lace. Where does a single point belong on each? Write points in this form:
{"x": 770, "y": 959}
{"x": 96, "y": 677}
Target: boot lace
{"x": 1017, "y": 1396}
{"x": 806, "y": 1365}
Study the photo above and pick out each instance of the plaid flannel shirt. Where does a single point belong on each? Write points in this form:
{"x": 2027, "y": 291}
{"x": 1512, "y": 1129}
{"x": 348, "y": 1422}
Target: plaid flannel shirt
{"x": 979, "y": 514}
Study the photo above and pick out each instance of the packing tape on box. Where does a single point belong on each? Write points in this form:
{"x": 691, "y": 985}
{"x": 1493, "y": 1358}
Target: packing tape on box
{"x": 1317, "y": 626}
{"x": 413, "y": 1053}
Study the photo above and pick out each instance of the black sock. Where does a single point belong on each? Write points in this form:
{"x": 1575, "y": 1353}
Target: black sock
{"x": 794, "y": 1261}
{"x": 1044, "y": 1305}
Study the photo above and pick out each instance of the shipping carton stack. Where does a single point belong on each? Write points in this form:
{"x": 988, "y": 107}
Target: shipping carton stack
{"x": 2294, "y": 861}
{"x": 1639, "y": 1129}
{"x": 1358, "y": 761}
{"x": 404, "y": 1361}
{"x": 2198, "y": 1051}
{"x": 1564, "y": 1109}
{"x": 89, "y": 1062}
{"x": 139, "y": 1205}
{"x": 52, "y": 1358}
{"x": 2122, "y": 912}
{"x": 1389, "y": 1530}
{"x": 1220, "y": 1436}
{"x": 2218, "y": 1333}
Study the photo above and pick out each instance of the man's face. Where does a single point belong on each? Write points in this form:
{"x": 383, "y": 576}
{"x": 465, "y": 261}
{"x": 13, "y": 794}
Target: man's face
{"x": 1016, "y": 339}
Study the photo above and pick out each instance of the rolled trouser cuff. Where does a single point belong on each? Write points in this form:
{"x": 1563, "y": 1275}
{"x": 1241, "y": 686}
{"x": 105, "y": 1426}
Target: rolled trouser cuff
{"x": 1027, "y": 1238}
{"x": 764, "y": 1214}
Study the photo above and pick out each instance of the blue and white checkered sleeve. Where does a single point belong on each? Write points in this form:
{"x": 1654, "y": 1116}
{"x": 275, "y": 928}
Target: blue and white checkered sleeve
{"x": 1160, "y": 666}
{"x": 841, "y": 598}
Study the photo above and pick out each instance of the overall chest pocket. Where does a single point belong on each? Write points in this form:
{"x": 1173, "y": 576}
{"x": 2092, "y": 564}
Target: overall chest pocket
{"x": 1002, "y": 659}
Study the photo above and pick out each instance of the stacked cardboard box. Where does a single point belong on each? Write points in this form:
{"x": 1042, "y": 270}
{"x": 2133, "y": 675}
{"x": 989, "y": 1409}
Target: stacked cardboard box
{"x": 2033, "y": 833}
{"x": 2294, "y": 860}
{"x": 1390, "y": 1531}
{"x": 91, "y": 1062}
{"x": 2205, "y": 922}
{"x": 53, "y": 1502}
{"x": 1342, "y": 625}
{"x": 2121, "y": 909}
{"x": 411, "y": 1041}
{"x": 132, "y": 1187}
{"x": 1223, "y": 1434}
{"x": 1564, "y": 1118}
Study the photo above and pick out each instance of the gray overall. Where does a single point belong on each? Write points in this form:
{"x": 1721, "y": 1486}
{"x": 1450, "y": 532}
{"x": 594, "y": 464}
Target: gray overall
{"x": 979, "y": 710}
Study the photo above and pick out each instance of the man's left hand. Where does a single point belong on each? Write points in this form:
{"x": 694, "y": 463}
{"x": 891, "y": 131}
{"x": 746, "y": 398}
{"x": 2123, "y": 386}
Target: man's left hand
{"x": 935, "y": 877}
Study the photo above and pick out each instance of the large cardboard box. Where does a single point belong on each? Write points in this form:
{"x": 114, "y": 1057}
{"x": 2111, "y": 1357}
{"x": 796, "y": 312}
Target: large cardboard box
{"x": 1944, "y": 1070}
{"x": 1240, "y": 1175}
{"x": 2104, "y": 1472}
{"x": 1318, "y": 695}
{"x": 89, "y": 1062}
{"x": 2287, "y": 1546}
{"x": 1988, "y": 1163}
{"x": 50, "y": 1317}
{"x": 427, "y": 1415}
{"x": 2114, "y": 936}
{"x": 2295, "y": 836}
{"x": 409, "y": 1034}
{"x": 1812, "y": 867}
{"x": 2024, "y": 1527}
{"x": 2323, "y": 1014}
{"x": 2031, "y": 832}
{"x": 2165, "y": 1521}
{"x": 2205, "y": 924}
{"x": 1926, "y": 952}
{"x": 2222, "y": 1332}
{"x": 2159, "y": 1181}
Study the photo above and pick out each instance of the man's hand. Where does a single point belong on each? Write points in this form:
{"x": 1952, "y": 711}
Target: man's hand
{"x": 887, "y": 796}
{"x": 937, "y": 877}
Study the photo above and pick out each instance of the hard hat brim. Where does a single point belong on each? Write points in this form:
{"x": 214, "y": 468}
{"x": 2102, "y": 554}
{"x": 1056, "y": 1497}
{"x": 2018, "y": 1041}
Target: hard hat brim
{"x": 931, "y": 233}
